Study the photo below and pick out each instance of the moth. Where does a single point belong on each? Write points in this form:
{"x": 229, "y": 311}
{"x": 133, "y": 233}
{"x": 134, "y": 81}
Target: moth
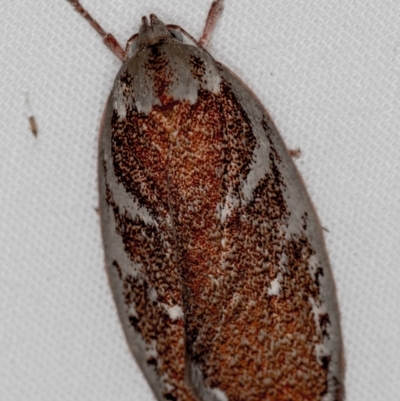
{"x": 214, "y": 252}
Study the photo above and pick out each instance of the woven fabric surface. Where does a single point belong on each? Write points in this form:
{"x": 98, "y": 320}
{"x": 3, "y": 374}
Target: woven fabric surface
{"x": 328, "y": 72}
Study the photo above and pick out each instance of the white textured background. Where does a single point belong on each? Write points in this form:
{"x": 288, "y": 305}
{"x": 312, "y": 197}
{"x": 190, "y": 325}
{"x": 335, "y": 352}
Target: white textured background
{"x": 328, "y": 71}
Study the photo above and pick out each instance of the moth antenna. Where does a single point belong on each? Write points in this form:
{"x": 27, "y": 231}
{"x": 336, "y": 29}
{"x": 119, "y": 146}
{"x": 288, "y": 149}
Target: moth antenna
{"x": 212, "y": 19}
{"x": 108, "y": 39}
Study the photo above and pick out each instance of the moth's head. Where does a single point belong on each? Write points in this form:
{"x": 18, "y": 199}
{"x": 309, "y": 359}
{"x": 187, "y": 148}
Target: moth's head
{"x": 151, "y": 34}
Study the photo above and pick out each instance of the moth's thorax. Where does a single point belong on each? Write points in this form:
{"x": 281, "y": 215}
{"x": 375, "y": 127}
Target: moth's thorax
{"x": 165, "y": 72}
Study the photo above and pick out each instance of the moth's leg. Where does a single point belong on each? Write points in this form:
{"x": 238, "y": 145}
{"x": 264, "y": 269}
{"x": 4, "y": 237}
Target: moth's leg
{"x": 213, "y": 16}
{"x": 295, "y": 153}
{"x": 108, "y": 39}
